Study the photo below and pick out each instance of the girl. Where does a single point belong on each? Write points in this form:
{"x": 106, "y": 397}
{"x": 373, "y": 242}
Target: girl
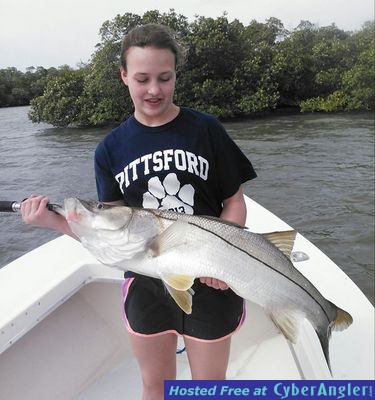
{"x": 171, "y": 157}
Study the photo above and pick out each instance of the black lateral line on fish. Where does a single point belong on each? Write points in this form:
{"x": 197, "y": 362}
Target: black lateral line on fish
{"x": 267, "y": 265}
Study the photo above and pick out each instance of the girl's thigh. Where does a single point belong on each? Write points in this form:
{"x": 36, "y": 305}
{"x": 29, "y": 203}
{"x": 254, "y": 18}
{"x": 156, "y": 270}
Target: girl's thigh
{"x": 208, "y": 360}
{"x": 156, "y": 356}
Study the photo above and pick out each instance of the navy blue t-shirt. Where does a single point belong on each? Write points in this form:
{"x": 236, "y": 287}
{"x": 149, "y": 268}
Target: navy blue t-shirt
{"x": 188, "y": 165}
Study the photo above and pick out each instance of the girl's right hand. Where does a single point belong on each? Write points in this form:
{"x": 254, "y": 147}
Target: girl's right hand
{"x": 34, "y": 211}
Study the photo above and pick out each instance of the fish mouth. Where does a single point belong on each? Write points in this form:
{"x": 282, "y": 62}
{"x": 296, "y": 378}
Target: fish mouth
{"x": 72, "y": 217}
{"x": 74, "y": 208}
{"x": 57, "y": 209}
{"x": 69, "y": 215}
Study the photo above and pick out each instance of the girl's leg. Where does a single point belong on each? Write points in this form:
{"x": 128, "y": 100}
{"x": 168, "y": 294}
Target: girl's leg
{"x": 156, "y": 356}
{"x": 208, "y": 360}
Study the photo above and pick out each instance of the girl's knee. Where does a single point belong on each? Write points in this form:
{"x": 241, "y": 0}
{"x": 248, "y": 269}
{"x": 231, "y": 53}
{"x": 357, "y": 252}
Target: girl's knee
{"x": 153, "y": 381}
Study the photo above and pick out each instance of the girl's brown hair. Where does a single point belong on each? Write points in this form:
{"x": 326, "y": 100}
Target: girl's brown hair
{"x": 151, "y": 35}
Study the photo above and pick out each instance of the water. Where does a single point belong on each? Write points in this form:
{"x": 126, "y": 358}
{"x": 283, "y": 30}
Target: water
{"x": 316, "y": 172}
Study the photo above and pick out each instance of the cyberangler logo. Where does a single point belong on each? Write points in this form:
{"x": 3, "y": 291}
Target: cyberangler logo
{"x": 169, "y": 195}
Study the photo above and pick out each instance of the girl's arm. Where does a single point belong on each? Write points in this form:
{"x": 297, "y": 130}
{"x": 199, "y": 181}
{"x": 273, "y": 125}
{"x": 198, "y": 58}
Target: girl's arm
{"x": 234, "y": 208}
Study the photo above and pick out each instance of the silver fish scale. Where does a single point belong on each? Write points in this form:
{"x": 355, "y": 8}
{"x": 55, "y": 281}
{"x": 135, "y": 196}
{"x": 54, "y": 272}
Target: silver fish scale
{"x": 252, "y": 244}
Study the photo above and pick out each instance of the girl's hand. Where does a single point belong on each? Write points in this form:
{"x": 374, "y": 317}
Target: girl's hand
{"x": 34, "y": 211}
{"x": 214, "y": 283}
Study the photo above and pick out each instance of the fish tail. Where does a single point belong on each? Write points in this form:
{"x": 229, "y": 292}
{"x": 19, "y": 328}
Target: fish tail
{"x": 343, "y": 320}
{"x": 324, "y": 342}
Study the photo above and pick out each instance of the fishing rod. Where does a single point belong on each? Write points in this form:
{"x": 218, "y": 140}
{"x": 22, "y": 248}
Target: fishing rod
{"x": 15, "y": 206}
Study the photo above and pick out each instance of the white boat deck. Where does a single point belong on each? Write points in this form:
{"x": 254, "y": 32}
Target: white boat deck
{"x": 85, "y": 335}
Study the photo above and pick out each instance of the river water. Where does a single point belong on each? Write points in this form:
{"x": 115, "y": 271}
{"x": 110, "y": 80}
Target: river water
{"x": 315, "y": 171}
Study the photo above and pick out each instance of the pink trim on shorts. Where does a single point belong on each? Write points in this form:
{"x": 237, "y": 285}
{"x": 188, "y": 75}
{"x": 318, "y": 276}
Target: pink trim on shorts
{"x": 243, "y": 317}
{"x": 125, "y": 290}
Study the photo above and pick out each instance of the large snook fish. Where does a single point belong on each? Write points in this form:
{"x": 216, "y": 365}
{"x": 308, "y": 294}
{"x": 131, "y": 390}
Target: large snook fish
{"x": 178, "y": 248}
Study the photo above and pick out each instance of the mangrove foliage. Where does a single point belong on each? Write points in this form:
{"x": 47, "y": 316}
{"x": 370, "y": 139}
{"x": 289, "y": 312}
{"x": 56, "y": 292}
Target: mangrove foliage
{"x": 231, "y": 70}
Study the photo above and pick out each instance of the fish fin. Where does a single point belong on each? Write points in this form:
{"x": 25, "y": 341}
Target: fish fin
{"x": 183, "y": 298}
{"x": 288, "y": 322}
{"x": 284, "y": 240}
{"x": 173, "y": 236}
{"x": 343, "y": 320}
{"x": 177, "y": 281}
{"x": 324, "y": 342}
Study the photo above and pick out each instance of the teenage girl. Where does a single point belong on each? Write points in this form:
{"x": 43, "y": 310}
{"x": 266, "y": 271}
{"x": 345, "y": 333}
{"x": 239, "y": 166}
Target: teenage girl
{"x": 171, "y": 157}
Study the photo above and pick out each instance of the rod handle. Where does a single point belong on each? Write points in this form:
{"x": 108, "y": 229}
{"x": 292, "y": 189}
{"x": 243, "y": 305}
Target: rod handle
{"x": 9, "y": 206}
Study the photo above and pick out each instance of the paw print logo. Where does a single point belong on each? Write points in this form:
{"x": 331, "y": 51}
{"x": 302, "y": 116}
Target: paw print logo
{"x": 169, "y": 195}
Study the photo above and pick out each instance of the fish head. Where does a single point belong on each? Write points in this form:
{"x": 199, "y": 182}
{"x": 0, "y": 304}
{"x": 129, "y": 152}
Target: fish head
{"x": 113, "y": 234}
{"x": 84, "y": 216}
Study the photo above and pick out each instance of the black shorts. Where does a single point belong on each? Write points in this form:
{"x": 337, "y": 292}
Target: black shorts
{"x": 150, "y": 310}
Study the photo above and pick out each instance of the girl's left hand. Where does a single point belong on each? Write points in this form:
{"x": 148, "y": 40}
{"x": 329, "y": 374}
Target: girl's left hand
{"x": 214, "y": 283}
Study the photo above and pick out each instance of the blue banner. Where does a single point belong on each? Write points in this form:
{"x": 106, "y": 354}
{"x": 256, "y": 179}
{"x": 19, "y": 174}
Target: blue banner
{"x": 268, "y": 390}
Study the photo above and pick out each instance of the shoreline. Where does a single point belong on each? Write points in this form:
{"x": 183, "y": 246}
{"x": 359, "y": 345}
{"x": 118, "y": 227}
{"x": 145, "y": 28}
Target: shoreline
{"x": 277, "y": 112}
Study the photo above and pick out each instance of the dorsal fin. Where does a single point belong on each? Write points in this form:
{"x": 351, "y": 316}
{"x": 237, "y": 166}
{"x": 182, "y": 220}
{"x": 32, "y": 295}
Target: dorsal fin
{"x": 284, "y": 240}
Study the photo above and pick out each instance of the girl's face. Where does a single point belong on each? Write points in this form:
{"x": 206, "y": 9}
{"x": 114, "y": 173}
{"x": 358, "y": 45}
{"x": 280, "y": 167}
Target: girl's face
{"x": 151, "y": 77}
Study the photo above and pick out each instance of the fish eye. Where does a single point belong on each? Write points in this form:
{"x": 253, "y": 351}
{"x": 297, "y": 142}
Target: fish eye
{"x": 100, "y": 206}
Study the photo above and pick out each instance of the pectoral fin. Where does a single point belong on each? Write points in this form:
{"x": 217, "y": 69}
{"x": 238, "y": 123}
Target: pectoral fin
{"x": 182, "y": 298}
{"x": 172, "y": 237}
